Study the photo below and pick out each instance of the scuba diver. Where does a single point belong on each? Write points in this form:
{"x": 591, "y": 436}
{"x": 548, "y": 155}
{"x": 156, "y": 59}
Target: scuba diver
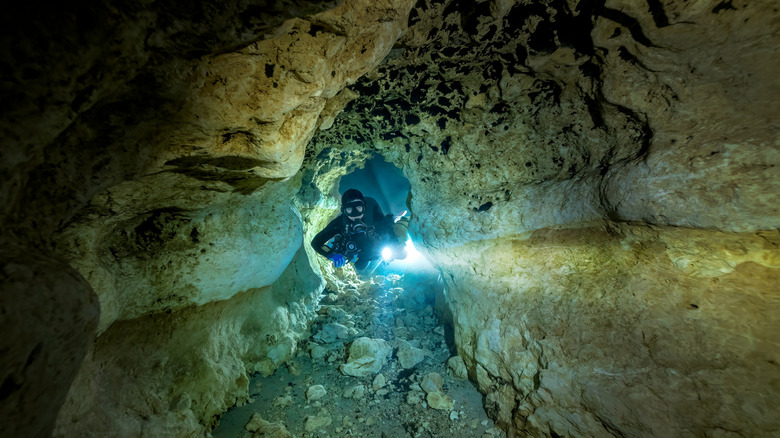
{"x": 360, "y": 233}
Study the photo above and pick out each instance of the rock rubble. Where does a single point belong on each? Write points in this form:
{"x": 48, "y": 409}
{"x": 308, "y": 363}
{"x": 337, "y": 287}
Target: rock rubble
{"x": 377, "y": 365}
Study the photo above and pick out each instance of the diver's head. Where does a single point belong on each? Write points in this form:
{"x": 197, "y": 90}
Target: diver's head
{"x": 353, "y": 205}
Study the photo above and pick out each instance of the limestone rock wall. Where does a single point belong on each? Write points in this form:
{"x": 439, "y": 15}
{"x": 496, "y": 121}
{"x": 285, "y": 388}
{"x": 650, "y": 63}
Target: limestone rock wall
{"x": 702, "y": 78}
{"x": 597, "y": 182}
{"x": 151, "y": 150}
{"x": 621, "y": 329}
{"x": 172, "y": 373}
{"x": 145, "y": 252}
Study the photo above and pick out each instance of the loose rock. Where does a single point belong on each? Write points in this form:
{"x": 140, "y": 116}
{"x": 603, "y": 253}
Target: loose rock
{"x": 432, "y": 383}
{"x": 318, "y": 351}
{"x": 414, "y": 397}
{"x": 366, "y": 357}
{"x": 356, "y": 392}
{"x": 282, "y": 401}
{"x": 438, "y": 400}
{"x": 315, "y": 392}
{"x": 266, "y": 429}
{"x": 409, "y": 356}
{"x": 294, "y": 368}
{"x": 379, "y": 382}
{"x": 331, "y": 333}
{"x": 457, "y": 367}
{"x": 392, "y": 400}
{"x": 312, "y": 423}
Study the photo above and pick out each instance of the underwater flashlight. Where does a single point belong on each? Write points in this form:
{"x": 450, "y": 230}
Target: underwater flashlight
{"x": 387, "y": 254}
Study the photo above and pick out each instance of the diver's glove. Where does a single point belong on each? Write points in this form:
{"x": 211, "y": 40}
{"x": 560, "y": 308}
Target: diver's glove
{"x": 337, "y": 259}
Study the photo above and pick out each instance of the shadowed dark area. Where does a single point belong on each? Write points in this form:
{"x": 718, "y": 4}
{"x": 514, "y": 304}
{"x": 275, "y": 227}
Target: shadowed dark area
{"x": 382, "y": 181}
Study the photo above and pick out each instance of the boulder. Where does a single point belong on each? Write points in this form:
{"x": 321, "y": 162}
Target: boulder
{"x": 440, "y": 401}
{"x": 266, "y": 429}
{"x": 409, "y": 356}
{"x": 432, "y": 382}
{"x": 331, "y": 333}
{"x": 366, "y": 357}
{"x": 315, "y": 392}
{"x": 457, "y": 367}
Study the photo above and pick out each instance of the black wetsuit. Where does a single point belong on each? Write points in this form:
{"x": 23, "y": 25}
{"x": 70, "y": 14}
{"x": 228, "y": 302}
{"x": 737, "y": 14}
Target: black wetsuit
{"x": 362, "y": 239}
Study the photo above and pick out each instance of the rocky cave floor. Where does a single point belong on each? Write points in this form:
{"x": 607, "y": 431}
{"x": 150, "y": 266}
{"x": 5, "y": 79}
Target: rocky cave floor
{"x": 420, "y": 390}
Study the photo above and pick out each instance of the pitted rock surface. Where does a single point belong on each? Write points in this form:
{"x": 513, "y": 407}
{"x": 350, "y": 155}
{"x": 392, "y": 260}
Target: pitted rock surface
{"x": 596, "y": 182}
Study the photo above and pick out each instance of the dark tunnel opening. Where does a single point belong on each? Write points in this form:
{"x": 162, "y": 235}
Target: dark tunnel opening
{"x": 382, "y": 181}
{"x": 386, "y": 183}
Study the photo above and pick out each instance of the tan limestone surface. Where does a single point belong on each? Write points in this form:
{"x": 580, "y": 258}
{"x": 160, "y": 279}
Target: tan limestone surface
{"x": 521, "y": 125}
{"x": 644, "y": 330}
{"x": 145, "y": 252}
{"x": 152, "y": 150}
{"x": 171, "y": 373}
{"x": 596, "y": 181}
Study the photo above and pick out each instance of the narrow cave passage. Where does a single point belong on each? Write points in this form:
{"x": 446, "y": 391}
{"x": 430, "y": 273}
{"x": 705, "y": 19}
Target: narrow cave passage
{"x": 380, "y": 359}
{"x": 595, "y": 182}
{"x": 380, "y": 180}
{"x": 377, "y": 365}
{"x": 386, "y": 183}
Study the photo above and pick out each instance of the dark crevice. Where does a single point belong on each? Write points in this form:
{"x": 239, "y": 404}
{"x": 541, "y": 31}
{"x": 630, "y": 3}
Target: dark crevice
{"x": 8, "y": 387}
{"x": 484, "y": 207}
{"x": 316, "y": 28}
{"x": 647, "y": 132}
{"x": 227, "y": 162}
{"x": 629, "y": 23}
{"x": 235, "y": 171}
{"x": 723, "y": 6}
{"x": 659, "y": 15}
{"x": 629, "y": 57}
{"x": 33, "y": 355}
{"x": 594, "y": 109}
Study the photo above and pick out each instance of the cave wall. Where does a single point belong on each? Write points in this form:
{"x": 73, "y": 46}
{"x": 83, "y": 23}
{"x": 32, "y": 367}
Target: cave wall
{"x": 171, "y": 373}
{"x": 145, "y": 252}
{"x": 597, "y": 182}
{"x": 621, "y": 329}
{"x": 149, "y": 166}
{"x": 604, "y": 172}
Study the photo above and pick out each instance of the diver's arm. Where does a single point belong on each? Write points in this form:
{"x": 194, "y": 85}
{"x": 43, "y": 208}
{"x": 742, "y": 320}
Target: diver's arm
{"x": 321, "y": 239}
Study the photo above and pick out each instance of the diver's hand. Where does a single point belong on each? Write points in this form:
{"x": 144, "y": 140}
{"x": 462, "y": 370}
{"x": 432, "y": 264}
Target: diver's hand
{"x": 337, "y": 259}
